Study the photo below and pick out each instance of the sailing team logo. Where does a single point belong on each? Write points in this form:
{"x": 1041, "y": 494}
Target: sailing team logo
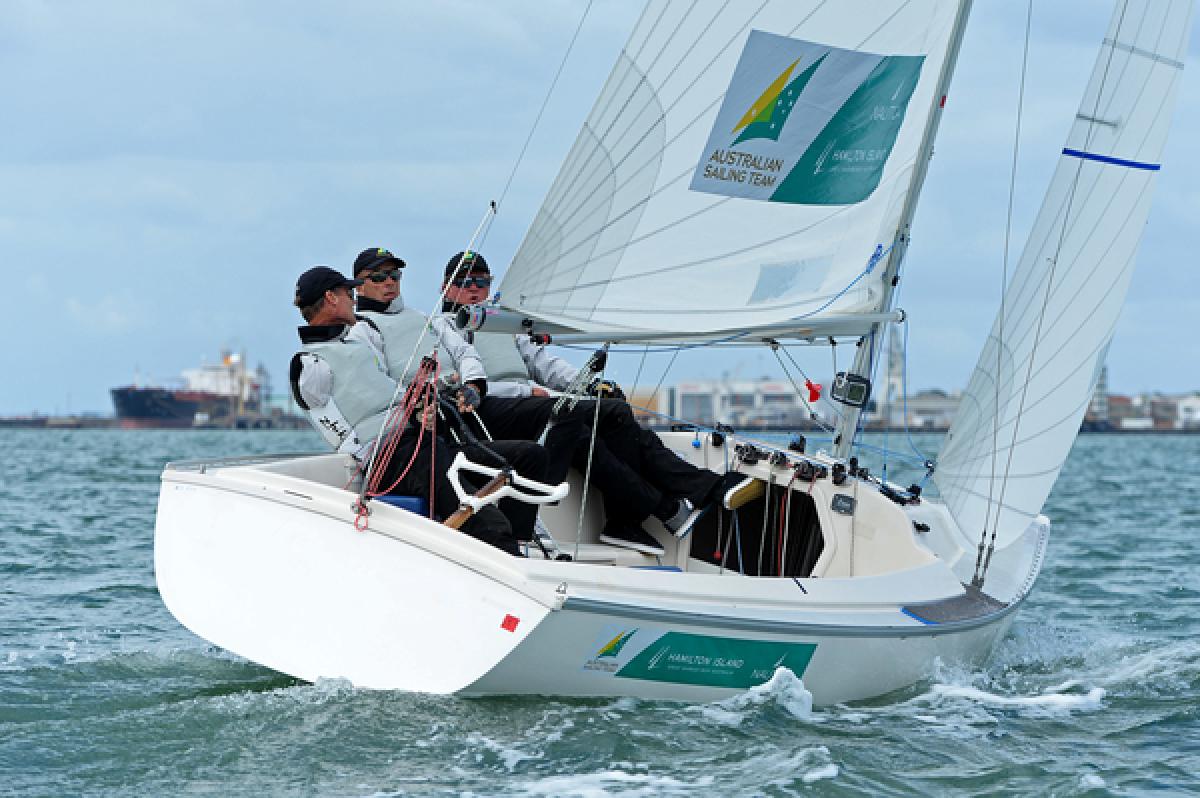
{"x": 769, "y": 113}
{"x": 819, "y": 133}
{"x": 613, "y": 647}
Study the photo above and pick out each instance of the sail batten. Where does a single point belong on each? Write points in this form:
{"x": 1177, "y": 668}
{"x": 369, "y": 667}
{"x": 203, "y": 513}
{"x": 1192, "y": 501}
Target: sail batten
{"x": 757, "y": 155}
{"x": 1026, "y": 399}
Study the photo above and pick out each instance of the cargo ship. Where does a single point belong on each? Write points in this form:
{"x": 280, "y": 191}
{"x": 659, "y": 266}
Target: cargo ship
{"x": 211, "y": 395}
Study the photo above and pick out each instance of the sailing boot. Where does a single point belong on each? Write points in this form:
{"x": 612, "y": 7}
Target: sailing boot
{"x": 629, "y": 534}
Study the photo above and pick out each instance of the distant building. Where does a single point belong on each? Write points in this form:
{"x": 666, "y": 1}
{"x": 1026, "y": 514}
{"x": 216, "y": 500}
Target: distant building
{"x": 1163, "y": 411}
{"x": 1120, "y": 409}
{"x": 1189, "y": 412}
{"x": 933, "y": 409}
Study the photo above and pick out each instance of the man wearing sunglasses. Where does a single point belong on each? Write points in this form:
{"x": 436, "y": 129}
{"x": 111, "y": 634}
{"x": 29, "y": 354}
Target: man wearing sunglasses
{"x": 637, "y": 475}
{"x": 338, "y": 378}
{"x": 408, "y": 334}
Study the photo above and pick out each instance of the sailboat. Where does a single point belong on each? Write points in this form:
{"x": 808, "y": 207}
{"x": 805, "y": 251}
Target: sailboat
{"x": 768, "y": 157}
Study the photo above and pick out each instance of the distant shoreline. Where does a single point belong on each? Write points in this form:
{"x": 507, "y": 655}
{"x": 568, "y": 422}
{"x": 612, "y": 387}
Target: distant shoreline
{"x": 109, "y": 422}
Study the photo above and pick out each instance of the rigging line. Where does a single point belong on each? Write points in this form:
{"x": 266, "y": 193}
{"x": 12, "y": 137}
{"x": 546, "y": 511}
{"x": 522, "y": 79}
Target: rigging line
{"x": 1085, "y": 269}
{"x": 570, "y": 188}
{"x": 812, "y": 414}
{"x": 1087, "y": 360}
{"x": 425, "y": 328}
{"x": 904, "y": 393}
{"x": 1012, "y": 189}
{"x": 663, "y": 377}
{"x": 587, "y": 474}
{"x": 762, "y": 541}
{"x": 886, "y": 413}
{"x": 872, "y": 364}
{"x": 1099, "y": 175}
{"x": 545, "y": 101}
{"x": 641, "y": 364}
{"x": 1046, "y": 300}
{"x": 836, "y": 411}
{"x": 687, "y": 127}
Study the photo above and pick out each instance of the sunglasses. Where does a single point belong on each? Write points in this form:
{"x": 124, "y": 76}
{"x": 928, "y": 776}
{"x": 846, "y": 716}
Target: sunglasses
{"x": 474, "y": 282}
{"x": 381, "y": 277}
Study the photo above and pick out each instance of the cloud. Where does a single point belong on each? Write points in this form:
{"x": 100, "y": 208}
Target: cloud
{"x": 106, "y": 316}
{"x": 175, "y": 165}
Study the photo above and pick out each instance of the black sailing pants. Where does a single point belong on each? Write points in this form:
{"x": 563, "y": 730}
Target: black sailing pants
{"x": 631, "y": 467}
{"x": 501, "y": 527}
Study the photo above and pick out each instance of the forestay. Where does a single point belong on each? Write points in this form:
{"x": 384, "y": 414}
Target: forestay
{"x": 1022, "y": 409}
{"x": 746, "y": 164}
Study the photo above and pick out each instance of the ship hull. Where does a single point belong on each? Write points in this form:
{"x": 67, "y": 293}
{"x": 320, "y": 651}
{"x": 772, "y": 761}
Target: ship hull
{"x": 163, "y": 408}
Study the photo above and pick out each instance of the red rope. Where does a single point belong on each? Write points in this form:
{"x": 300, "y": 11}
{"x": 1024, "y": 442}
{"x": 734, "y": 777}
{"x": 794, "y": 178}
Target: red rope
{"x": 420, "y": 390}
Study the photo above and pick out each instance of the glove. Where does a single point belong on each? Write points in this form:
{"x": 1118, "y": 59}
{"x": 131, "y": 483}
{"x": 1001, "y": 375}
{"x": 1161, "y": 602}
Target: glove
{"x": 605, "y": 389}
{"x": 470, "y": 397}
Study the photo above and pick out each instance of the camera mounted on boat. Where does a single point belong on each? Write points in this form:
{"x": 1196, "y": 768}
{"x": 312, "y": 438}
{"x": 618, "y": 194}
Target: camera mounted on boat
{"x": 852, "y": 390}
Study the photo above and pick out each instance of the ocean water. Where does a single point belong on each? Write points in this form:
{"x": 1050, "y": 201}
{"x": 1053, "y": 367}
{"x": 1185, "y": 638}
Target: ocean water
{"x": 1096, "y": 691}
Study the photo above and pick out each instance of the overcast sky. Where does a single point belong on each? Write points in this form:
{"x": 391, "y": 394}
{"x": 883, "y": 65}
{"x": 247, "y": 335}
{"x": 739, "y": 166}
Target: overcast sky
{"x": 170, "y": 167}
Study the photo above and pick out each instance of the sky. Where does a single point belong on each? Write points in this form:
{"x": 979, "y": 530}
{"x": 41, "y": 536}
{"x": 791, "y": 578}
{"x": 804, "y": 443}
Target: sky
{"x": 170, "y": 167}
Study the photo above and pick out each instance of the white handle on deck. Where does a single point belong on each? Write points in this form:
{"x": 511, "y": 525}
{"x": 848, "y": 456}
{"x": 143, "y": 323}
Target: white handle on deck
{"x": 550, "y": 493}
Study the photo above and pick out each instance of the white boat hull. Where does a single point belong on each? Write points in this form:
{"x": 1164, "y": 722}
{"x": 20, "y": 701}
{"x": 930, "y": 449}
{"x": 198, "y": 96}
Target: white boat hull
{"x": 270, "y": 566}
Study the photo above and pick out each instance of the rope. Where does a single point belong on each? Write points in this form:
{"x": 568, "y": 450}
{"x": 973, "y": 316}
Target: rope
{"x": 638, "y": 375}
{"x": 1045, "y": 303}
{"x": 587, "y": 473}
{"x": 812, "y": 414}
{"x": 785, "y": 519}
{"x": 904, "y": 392}
{"x": 762, "y": 541}
{"x": 421, "y": 387}
{"x": 662, "y": 378}
{"x": 1012, "y": 188}
{"x": 545, "y": 102}
{"x": 491, "y": 210}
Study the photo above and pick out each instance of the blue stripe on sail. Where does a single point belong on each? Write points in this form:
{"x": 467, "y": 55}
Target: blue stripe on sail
{"x": 1091, "y": 156}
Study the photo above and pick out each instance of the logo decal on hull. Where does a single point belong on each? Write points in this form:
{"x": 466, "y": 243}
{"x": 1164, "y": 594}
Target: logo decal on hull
{"x": 715, "y": 661}
{"x": 681, "y": 658}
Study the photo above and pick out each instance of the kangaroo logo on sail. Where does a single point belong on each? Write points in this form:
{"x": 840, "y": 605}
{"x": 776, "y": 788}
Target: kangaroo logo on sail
{"x": 819, "y": 133}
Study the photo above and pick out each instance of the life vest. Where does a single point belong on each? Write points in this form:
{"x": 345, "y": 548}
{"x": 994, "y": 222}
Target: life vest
{"x": 361, "y": 391}
{"x": 400, "y": 330}
{"x": 501, "y": 359}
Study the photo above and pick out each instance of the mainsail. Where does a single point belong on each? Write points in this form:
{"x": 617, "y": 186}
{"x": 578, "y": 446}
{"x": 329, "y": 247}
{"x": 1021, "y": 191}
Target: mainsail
{"x": 1023, "y": 406}
{"x": 746, "y": 165}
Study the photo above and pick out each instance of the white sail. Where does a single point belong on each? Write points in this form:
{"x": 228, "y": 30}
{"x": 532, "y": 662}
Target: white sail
{"x": 1022, "y": 409}
{"x": 746, "y": 164}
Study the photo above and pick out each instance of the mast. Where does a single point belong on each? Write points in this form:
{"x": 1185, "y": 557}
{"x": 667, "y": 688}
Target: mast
{"x": 871, "y": 344}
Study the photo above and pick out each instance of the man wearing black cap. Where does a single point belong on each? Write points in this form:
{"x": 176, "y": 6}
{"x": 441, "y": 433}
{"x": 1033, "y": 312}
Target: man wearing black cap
{"x": 339, "y": 379}
{"x": 637, "y": 475}
{"x": 408, "y": 335}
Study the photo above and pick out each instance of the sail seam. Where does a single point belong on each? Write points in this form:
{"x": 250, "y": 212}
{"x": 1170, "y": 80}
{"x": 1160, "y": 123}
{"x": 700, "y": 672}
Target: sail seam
{"x": 1129, "y": 48}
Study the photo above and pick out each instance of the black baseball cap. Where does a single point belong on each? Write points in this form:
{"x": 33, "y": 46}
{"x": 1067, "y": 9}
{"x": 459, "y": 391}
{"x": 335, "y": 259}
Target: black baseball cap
{"x": 372, "y": 258}
{"x": 472, "y": 263}
{"x": 313, "y": 284}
